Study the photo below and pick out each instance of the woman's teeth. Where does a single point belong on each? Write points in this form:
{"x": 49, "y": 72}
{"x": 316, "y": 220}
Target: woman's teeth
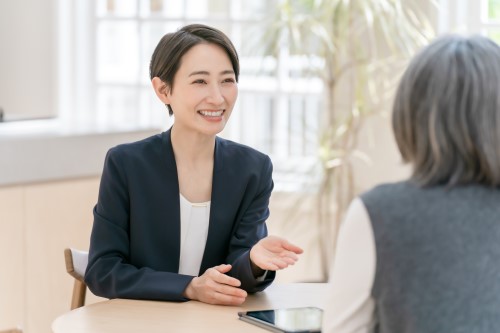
{"x": 212, "y": 113}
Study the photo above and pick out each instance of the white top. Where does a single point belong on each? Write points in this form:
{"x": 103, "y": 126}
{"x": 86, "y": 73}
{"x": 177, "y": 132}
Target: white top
{"x": 195, "y": 219}
{"x": 194, "y": 232}
{"x": 349, "y": 305}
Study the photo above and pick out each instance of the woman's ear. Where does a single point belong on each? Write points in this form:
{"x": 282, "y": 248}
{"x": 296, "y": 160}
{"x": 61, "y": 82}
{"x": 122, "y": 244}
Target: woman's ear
{"x": 161, "y": 90}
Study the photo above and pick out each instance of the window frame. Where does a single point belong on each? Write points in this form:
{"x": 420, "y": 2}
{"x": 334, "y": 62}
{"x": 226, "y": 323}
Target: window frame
{"x": 465, "y": 16}
{"x": 78, "y": 85}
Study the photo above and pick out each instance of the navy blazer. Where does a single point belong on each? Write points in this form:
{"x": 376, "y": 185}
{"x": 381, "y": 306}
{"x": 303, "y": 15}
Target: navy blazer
{"x": 135, "y": 242}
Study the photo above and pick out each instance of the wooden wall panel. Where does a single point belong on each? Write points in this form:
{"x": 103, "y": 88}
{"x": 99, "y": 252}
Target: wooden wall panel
{"x": 58, "y": 215}
{"x": 12, "y": 294}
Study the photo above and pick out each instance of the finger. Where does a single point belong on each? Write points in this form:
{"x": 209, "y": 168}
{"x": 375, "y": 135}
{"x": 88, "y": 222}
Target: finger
{"x": 269, "y": 266}
{"x": 290, "y": 255}
{"x": 291, "y": 247}
{"x": 218, "y": 276}
{"x": 281, "y": 263}
{"x": 288, "y": 260}
{"x": 230, "y": 291}
{"x": 212, "y": 296}
{"x": 223, "y": 299}
{"x": 223, "y": 268}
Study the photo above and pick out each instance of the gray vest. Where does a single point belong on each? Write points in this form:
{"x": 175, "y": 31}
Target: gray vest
{"x": 438, "y": 258}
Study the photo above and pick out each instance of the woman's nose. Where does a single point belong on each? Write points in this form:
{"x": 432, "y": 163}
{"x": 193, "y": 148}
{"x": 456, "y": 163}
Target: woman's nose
{"x": 215, "y": 95}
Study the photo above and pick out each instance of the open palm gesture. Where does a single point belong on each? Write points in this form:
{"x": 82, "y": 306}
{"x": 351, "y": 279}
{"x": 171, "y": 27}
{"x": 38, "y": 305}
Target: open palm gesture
{"x": 274, "y": 253}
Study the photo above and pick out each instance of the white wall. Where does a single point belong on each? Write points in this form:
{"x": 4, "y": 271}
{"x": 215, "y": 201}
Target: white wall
{"x": 27, "y": 58}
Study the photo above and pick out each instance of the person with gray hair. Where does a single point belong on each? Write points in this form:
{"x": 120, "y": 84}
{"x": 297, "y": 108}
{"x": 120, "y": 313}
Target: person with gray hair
{"x": 422, "y": 255}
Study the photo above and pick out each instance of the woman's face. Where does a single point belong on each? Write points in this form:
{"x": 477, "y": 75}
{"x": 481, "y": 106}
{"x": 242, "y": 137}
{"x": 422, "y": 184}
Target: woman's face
{"x": 204, "y": 90}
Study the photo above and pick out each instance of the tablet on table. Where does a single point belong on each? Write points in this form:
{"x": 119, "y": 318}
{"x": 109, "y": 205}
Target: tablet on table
{"x": 287, "y": 320}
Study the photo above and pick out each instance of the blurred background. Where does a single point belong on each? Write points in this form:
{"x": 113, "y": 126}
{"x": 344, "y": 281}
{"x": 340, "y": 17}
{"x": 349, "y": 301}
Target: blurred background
{"x": 316, "y": 85}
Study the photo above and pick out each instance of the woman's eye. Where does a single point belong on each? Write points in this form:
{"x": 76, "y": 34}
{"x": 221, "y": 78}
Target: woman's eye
{"x": 200, "y": 81}
{"x": 229, "y": 80}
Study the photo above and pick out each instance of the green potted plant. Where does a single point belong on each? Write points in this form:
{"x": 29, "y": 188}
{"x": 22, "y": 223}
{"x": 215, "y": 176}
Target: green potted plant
{"x": 363, "y": 46}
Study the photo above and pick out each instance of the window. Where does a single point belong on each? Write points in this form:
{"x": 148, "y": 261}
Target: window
{"x": 490, "y": 19}
{"x": 471, "y": 16}
{"x": 277, "y": 110}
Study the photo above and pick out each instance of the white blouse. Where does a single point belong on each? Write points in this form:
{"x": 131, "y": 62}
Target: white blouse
{"x": 349, "y": 306}
{"x": 194, "y": 232}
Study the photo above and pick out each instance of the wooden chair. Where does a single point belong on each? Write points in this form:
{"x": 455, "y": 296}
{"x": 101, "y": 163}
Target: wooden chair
{"x": 76, "y": 263}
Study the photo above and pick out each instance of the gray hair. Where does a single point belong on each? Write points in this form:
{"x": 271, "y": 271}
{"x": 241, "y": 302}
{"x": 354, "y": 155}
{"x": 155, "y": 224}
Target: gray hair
{"x": 446, "y": 115}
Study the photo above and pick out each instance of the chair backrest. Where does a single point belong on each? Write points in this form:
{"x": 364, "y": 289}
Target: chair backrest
{"x": 76, "y": 263}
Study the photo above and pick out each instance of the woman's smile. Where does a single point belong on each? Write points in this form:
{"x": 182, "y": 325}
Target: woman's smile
{"x": 205, "y": 85}
{"x": 211, "y": 113}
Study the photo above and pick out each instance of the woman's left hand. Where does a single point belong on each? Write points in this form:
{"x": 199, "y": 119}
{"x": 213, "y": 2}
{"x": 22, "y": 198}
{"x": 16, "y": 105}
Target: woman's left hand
{"x": 274, "y": 253}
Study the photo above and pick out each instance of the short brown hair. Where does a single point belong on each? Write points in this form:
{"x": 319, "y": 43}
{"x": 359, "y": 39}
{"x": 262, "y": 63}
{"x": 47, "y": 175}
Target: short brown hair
{"x": 166, "y": 58}
{"x": 446, "y": 115}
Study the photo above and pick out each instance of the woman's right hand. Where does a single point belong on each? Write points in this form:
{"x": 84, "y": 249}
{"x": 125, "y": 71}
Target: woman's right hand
{"x": 215, "y": 287}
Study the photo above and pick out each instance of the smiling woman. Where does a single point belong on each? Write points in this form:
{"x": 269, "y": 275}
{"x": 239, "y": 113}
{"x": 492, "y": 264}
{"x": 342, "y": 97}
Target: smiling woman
{"x": 205, "y": 91}
{"x": 181, "y": 215}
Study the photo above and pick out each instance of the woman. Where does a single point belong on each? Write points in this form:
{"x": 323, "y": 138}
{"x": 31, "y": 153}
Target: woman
{"x": 181, "y": 215}
{"x": 422, "y": 255}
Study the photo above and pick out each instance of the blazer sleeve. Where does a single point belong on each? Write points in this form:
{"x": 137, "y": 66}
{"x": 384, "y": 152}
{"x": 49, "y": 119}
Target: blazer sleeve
{"x": 109, "y": 273}
{"x": 250, "y": 228}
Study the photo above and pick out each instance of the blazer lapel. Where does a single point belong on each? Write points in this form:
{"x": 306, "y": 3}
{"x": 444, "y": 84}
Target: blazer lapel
{"x": 171, "y": 208}
{"x": 217, "y": 227}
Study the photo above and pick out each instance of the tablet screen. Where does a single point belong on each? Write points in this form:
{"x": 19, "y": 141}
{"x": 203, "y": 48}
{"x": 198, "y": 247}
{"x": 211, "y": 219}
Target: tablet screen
{"x": 307, "y": 319}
